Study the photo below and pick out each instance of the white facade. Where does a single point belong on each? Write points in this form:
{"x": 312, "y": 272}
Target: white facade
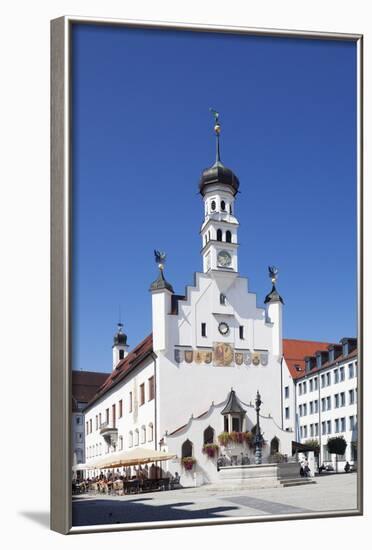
{"x": 78, "y": 440}
{"x": 322, "y": 401}
{"x": 331, "y": 409}
{"x": 124, "y": 417}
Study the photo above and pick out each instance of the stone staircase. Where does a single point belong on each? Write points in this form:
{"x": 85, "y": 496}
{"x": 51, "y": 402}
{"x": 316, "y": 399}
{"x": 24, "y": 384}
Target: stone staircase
{"x": 294, "y": 482}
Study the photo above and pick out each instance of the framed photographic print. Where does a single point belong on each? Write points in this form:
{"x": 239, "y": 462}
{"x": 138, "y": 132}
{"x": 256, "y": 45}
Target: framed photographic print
{"x": 206, "y": 275}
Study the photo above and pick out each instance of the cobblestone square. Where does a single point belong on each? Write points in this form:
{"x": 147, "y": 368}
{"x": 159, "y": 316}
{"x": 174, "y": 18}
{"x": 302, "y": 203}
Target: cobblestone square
{"x": 332, "y": 493}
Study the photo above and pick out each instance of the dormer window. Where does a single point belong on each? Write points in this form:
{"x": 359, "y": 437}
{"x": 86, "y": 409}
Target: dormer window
{"x": 222, "y": 299}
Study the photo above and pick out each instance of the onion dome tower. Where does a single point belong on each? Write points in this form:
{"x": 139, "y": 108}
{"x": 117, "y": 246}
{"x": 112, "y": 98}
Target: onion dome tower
{"x": 119, "y": 346}
{"x": 218, "y": 186}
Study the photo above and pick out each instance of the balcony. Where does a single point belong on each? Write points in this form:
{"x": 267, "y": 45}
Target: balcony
{"x": 109, "y": 432}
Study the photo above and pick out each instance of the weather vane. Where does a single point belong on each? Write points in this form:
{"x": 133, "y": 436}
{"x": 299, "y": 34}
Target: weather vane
{"x": 217, "y": 126}
{"x": 273, "y": 273}
{"x": 160, "y": 258}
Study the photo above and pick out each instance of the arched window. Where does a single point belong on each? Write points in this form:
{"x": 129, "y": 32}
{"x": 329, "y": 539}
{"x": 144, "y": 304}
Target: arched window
{"x": 208, "y": 435}
{"x": 230, "y": 208}
{"x": 143, "y": 434}
{"x": 213, "y": 205}
{"x": 274, "y": 445}
{"x": 186, "y": 448}
{"x": 150, "y": 432}
{"x": 228, "y": 236}
{"x": 206, "y": 239}
{"x": 222, "y": 299}
{"x": 121, "y": 443}
{"x": 219, "y": 235}
{"x": 136, "y": 437}
{"x": 130, "y": 439}
{"x": 223, "y": 205}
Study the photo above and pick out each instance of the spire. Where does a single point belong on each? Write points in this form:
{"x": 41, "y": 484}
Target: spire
{"x": 217, "y": 131}
{"x": 218, "y": 174}
{"x": 273, "y": 296}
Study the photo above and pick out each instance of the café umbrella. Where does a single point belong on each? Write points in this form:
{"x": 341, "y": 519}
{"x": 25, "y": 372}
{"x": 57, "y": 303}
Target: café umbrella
{"x": 131, "y": 458}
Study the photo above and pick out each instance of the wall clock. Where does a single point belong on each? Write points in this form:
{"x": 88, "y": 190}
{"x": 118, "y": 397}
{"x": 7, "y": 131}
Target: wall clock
{"x": 223, "y": 328}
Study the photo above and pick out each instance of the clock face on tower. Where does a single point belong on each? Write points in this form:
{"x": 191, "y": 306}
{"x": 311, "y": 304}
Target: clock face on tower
{"x": 224, "y": 259}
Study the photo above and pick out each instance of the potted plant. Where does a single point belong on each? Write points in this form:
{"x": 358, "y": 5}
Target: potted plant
{"x": 235, "y": 437}
{"x": 210, "y": 449}
{"x": 188, "y": 462}
{"x": 224, "y": 438}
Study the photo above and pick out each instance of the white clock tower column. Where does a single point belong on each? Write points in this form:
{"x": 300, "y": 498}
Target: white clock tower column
{"x": 219, "y": 232}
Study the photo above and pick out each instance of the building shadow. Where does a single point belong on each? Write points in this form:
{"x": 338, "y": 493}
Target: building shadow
{"x": 103, "y": 512}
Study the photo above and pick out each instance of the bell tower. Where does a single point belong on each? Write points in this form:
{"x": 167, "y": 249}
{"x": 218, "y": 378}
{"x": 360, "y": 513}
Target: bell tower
{"x": 219, "y": 232}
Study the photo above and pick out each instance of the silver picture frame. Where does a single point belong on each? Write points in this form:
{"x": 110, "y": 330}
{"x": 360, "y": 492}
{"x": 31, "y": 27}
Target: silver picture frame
{"x": 61, "y": 264}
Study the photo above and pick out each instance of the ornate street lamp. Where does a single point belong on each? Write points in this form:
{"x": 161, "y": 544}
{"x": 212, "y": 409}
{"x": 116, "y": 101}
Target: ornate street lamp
{"x": 258, "y": 437}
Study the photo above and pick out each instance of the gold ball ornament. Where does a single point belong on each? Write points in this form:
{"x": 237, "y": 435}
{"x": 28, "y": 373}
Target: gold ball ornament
{"x": 217, "y": 129}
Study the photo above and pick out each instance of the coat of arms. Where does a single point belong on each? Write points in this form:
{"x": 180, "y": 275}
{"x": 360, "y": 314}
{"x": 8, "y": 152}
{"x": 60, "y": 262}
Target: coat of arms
{"x": 188, "y": 356}
{"x": 247, "y": 358}
{"x": 256, "y": 359}
{"x": 264, "y": 359}
{"x": 178, "y": 355}
{"x": 238, "y": 358}
{"x": 223, "y": 354}
{"x": 198, "y": 357}
{"x": 207, "y": 357}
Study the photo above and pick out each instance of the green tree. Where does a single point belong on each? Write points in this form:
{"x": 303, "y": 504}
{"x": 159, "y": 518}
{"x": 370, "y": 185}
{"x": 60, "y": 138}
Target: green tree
{"x": 336, "y": 446}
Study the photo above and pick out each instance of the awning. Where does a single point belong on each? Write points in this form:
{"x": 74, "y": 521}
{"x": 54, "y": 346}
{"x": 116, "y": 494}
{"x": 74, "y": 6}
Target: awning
{"x": 134, "y": 457}
{"x": 302, "y": 448}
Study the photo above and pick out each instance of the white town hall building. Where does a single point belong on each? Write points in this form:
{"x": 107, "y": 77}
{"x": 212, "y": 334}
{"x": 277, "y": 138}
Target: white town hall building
{"x": 197, "y": 375}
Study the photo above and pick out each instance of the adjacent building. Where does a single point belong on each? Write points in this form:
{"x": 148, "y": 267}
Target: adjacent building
{"x": 84, "y": 386}
{"x": 320, "y": 394}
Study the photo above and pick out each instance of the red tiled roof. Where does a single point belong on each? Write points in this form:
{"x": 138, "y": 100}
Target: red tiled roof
{"x": 295, "y": 351}
{"x": 85, "y": 385}
{"x": 124, "y": 367}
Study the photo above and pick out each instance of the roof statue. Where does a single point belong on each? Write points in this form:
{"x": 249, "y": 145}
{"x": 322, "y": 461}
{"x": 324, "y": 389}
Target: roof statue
{"x": 273, "y": 296}
{"x": 273, "y": 273}
{"x": 160, "y": 258}
{"x": 160, "y": 283}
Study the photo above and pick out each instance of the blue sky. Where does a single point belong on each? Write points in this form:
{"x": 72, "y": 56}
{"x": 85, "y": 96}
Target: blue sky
{"x": 142, "y": 134}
